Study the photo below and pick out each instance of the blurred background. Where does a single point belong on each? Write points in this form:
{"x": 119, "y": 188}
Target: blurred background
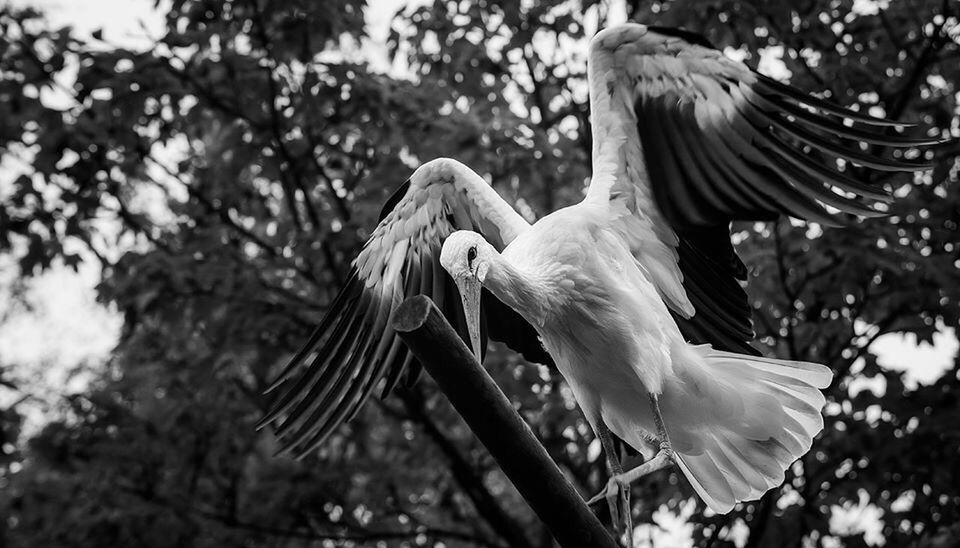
{"x": 182, "y": 187}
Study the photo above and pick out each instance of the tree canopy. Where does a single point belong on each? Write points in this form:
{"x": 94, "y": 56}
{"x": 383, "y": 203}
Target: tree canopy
{"x": 224, "y": 177}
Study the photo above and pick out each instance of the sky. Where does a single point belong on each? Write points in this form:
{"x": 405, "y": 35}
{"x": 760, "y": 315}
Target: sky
{"x": 64, "y": 327}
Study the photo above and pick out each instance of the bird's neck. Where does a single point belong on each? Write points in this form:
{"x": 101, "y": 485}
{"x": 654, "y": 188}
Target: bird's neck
{"x": 517, "y": 289}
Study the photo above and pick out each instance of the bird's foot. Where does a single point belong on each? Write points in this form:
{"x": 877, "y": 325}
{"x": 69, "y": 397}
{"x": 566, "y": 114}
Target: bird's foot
{"x": 615, "y": 485}
{"x": 615, "y": 490}
{"x": 621, "y": 482}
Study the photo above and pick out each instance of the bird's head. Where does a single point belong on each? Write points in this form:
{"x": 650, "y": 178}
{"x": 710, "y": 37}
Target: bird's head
{"x": 467, "y": 256}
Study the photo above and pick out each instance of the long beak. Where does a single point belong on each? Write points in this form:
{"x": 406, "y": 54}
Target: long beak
{"x": 469, "y": 287}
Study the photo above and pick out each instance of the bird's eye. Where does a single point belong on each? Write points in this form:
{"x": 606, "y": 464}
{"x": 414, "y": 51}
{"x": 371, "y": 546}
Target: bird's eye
{"x": 471, "y": 255}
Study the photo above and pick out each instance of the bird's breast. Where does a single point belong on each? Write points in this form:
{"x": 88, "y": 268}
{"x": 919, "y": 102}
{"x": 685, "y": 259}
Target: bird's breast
{"x": 603, "y": 321}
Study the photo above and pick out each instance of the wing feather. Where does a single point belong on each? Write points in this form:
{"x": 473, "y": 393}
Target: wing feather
{"x": 784, "y": 93}
{"x": 718, "y": 200}
{"x": 355, "y": 349}
{"x": 687, "y": 140}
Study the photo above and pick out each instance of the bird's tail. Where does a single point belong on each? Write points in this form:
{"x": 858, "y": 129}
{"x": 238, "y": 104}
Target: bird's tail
{"x": 757, "y": 417}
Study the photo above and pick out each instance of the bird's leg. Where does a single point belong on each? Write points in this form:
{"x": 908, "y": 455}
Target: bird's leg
{"x": 662, "y": 459}
{"x": 616, "y": 469}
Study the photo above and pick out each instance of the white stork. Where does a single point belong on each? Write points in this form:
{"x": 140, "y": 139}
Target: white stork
{"x": 634, "y": 292}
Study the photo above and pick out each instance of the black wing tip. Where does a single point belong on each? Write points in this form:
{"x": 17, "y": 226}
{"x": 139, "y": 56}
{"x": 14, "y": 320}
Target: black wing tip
{"x": 684, "y": 34}
{"x": 293, "y": 448}
{"x": 300, "y": 442}
{"x": 277, "y": 383}
{"x": 264, "y": 421}
{"x": 789, "y": 92}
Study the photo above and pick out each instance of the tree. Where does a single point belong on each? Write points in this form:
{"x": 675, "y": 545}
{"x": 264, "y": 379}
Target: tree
{"x": 242, "y": 161}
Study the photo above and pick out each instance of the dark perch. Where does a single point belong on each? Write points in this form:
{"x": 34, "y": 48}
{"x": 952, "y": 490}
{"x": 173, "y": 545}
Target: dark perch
{"x": 491, "y": 417}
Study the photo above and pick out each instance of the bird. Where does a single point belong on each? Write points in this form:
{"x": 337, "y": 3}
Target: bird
{"x": 635, "y": 294}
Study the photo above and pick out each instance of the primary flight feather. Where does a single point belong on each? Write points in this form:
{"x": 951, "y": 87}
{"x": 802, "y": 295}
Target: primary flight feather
{"x": 634, "y": 293}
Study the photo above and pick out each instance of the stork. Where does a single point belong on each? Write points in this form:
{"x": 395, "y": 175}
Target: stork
{"x": 634, "y": 293}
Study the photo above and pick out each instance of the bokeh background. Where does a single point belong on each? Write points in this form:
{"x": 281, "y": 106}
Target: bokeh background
{"x": 184, "y": 183}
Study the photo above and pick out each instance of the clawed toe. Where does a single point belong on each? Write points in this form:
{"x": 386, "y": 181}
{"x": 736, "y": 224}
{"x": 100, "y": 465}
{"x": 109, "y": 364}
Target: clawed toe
{"x": 609, "y": 492}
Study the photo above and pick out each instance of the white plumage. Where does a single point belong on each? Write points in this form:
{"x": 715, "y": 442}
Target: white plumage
{"x": 735, "y": 422}
{"x": 634, "y": 293}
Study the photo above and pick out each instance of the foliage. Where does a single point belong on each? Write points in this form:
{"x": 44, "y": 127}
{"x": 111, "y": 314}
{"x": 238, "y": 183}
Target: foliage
{"x": 240, "y": 162}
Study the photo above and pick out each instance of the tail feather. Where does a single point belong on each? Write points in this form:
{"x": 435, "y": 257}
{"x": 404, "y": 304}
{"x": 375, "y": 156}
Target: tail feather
{"x": 795, "y": 400}
{"x": 745, "y": 468}
{"x": 739, "y": 456}
{"x": 711, "y": 482}
{"x": 813, "y": 374}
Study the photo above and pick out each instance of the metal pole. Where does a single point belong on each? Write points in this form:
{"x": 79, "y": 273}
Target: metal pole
{"x": 494, "y": 421}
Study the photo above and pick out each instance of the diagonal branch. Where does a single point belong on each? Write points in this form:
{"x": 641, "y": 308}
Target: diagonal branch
{"x": 464, "y": 473}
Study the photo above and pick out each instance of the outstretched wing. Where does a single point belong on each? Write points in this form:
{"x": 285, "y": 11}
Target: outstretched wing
{"x": 355, "y": 347}
{"x": 687, "y": 140}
